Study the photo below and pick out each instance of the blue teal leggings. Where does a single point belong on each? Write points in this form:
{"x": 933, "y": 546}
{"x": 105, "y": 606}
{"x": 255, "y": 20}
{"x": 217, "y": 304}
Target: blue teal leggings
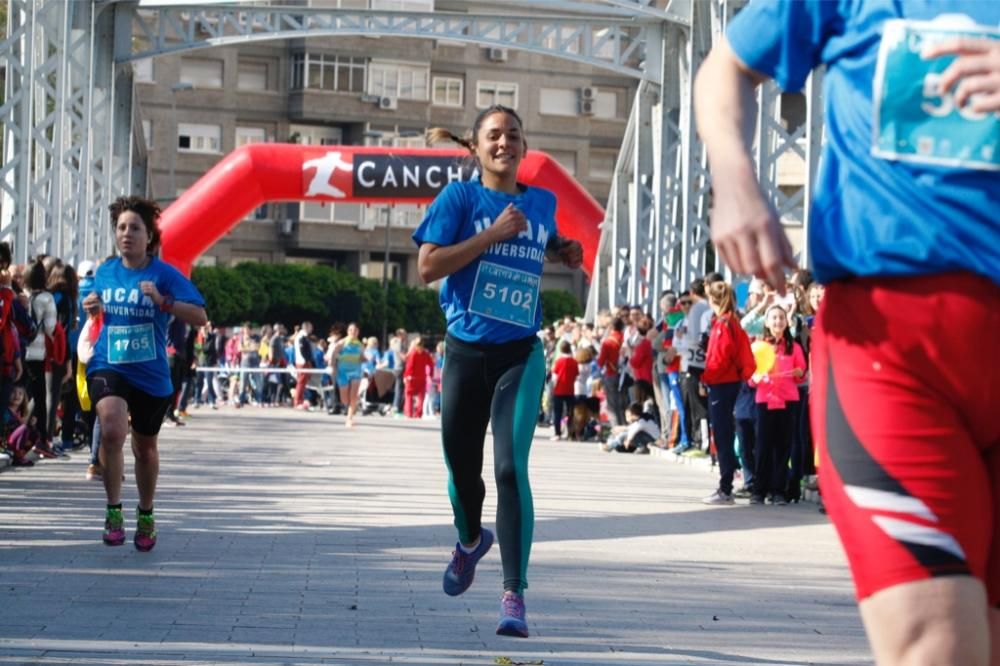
{"x": 502, "y": 384}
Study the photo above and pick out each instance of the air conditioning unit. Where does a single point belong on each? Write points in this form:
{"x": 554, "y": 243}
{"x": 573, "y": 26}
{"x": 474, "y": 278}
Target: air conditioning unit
{"x": 587, "y": 107}
{"x": 388, "y": 103}
{"x": 497, "y": 54}
{"x": 588, "y": 93}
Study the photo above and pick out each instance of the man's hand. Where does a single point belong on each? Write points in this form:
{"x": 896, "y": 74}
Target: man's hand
{"x": 976, "y": 70}
{"x": 747, "y": 233}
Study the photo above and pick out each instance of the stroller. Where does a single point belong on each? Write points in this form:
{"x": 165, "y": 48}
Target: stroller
{"x": 377, "y": 392}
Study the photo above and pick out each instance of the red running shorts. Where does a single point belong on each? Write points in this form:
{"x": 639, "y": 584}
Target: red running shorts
{"x": 906, "y": 414}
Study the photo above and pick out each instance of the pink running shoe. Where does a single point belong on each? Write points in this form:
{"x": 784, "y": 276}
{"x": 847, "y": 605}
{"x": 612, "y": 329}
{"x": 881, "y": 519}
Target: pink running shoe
{"x": 114, "y": 528}
{"x": 145, "y": 533}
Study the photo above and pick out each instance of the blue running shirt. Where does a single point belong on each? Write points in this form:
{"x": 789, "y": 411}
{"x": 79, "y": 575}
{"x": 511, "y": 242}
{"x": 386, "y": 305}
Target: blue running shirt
{"x": 133, "y": 341}
{"x": 349, "y": 361}
{"x": 494, "y": 298}
{"x": 876, "y": 216}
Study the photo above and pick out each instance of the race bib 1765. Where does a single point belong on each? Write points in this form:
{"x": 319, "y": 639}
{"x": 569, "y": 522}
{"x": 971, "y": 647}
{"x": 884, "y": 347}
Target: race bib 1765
{"x": 131, "y": 344}
{"x": 914, "y": 121}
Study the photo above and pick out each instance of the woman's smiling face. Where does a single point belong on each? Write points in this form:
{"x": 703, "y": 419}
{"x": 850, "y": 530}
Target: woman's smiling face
{"x": 500, "y": 145}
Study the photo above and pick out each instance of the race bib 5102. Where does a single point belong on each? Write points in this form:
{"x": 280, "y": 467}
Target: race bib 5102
{"x": 506, "y": 294}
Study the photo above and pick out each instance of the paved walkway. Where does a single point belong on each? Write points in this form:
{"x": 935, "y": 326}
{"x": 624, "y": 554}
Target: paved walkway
{"x": 287, "y": 539}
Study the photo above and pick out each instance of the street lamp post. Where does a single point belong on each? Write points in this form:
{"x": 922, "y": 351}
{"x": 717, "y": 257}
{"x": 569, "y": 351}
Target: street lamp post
{"x": 385, "y": 278}
{"x": 174, "y": 89}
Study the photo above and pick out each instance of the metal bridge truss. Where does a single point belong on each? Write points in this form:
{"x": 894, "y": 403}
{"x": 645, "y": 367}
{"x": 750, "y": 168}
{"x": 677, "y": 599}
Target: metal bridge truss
{"x": 72, "y": 140}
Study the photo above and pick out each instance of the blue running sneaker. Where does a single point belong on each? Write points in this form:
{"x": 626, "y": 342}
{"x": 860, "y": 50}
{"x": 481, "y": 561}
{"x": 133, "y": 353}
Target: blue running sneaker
{"x": 512, "y": 616}
{"x": 462, "y": 570}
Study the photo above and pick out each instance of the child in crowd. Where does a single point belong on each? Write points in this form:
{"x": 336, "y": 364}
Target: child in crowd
{"x": 419, "y": 364}
{"x": 564, "y": 372}
{"x": 635, "y": 437}
{"x": 18, "y": 435}
{"x": 777, "y": 403}
{"x": 432, "y": 404}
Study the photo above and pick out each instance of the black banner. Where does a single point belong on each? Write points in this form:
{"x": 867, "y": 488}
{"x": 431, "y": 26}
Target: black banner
{"x": 406, "y": 176}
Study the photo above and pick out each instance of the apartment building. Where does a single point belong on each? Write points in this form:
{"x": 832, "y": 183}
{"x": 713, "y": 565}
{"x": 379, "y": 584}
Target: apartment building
{"x": 198, "y": 106}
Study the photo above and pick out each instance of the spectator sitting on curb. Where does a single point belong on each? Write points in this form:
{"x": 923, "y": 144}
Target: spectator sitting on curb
{"x": 636, "y": 437}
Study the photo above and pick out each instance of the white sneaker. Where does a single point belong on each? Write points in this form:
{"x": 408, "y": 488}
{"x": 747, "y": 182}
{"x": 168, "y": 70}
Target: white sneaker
{"x": 719, "y": 498}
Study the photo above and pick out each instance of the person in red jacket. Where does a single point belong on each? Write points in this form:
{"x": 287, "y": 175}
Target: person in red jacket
{"x": 728, "y": 363}
{"x": 641, "y": 363}
{"x": 564, "y": 372}
{"x": 608, "y": 361}
{"x": 419, "y": 363}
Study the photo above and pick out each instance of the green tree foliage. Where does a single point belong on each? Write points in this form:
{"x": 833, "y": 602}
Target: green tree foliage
{"x": 558, "y": 303}
{"x": 291, "y": 293}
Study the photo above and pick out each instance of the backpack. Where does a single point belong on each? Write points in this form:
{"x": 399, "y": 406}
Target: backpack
{"x": 24, "y": 322}
{"x": 55, "y": 347}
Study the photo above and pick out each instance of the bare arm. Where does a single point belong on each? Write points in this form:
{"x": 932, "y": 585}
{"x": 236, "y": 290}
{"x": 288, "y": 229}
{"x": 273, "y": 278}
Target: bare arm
{"x": 193, "y": 315}
{"x": 745, "y": 228}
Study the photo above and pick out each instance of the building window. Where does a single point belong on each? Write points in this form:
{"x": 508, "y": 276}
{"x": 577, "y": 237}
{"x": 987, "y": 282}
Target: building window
{"x": 567, "y": 158}
{"x": 489, "y": 93}
{"x": 143, "y": 70}
{"x": 316, "y": 135}
{"x": 147, "y": 134}
{"x": 602, "y": 165}
{"x": 248, "y": 135}
{"x": 201, "y": 72}
{"x": 317, "y": 71}
{"x": 447, "y": 91}
{"x": 396, "y": 138}
{"x": 404, "y": 5}
{"x": 194, "y": 138}
{"x": 330, "y": 211}
{"x": 606, "y": 105}
{"x": 252, "y": 76}
{"x": 400, "y": 80}
{"x": 559, "y": 101}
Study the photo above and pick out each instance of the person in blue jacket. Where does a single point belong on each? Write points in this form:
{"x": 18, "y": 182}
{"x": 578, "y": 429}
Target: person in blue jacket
{"x": 488, "y": 238}
{"x": 136, "y": 294}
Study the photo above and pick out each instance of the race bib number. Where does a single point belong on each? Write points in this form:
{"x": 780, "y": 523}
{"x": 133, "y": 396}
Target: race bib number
{"x": 131, "y": 344}
{"x": 696, "y": 356}
{"x": 506, "y": 294}
{"x": 916, "y": 122}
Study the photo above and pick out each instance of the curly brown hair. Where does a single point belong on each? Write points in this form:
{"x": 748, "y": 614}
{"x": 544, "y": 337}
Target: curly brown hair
{"x": 147, "y": 210}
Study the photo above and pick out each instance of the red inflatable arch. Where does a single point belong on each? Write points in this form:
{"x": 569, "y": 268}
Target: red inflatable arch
{"x": 258, "y": 173}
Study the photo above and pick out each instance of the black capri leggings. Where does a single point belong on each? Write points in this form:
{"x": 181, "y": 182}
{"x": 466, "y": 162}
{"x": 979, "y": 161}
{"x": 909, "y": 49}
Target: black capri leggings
{"x": 501, "y": 383}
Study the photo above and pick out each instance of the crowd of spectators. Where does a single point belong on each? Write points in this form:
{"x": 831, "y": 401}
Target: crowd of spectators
{"x": 39, "y": 327}
{"x": 633, "y": 380}
{"x": 341, "y": 373}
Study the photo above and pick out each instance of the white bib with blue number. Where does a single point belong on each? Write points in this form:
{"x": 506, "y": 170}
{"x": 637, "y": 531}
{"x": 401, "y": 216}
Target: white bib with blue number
{"x": 914, "y": 121}
{"x": 506, "y": 294}
{"x": 131, "y": 344}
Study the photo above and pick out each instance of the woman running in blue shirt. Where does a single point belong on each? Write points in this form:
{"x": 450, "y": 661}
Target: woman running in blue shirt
{"x": 128, "y": 375}
{"x": 488, "y": 238}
